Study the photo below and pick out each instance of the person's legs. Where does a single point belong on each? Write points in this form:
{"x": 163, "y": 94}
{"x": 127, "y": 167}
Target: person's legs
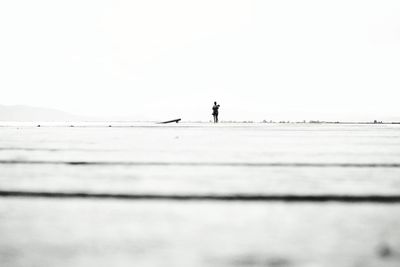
{"x": 216, "y": 118}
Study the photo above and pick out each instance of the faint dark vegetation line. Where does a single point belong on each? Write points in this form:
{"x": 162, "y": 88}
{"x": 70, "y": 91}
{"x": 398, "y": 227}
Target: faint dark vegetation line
{"x": 210, "y": 197}
{"x": 221, "y": 164}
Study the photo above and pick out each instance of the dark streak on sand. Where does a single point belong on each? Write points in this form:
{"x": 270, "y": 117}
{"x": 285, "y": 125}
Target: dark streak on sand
{"x": 210, "y": 197}
{"x": 56, "y": 149}
{"x": 205, "y": 164}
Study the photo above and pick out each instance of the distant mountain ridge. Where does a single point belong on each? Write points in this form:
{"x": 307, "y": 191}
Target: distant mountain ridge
{"x": 29, "y": 113}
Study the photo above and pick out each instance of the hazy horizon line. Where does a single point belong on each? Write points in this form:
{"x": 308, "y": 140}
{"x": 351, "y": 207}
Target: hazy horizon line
{"x": 274, "y": 117}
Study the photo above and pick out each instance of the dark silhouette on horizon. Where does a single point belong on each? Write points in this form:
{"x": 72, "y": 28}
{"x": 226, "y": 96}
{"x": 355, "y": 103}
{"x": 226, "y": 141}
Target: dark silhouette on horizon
{"x": 176, "y": 120}
{"x": 215, "y": 112}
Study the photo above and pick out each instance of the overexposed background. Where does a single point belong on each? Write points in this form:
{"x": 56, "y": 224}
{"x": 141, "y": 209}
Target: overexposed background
{"x": 294, "y": 60}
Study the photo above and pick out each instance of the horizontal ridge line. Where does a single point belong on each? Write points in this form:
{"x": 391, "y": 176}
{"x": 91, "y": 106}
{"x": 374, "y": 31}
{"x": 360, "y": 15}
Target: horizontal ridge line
{"x": 209, "y": 197}
{"x": 232, "y": 164}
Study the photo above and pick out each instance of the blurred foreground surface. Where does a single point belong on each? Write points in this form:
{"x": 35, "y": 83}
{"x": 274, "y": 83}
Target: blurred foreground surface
{"x": 196, "y": 159}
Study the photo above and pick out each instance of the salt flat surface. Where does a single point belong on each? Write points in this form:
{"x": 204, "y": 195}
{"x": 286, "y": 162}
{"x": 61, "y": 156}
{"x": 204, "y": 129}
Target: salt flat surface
{"x": 190, "y": 158}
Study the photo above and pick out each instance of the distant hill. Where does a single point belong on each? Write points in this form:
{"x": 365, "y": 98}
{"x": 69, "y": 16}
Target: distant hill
{"x": 28, "y": 113}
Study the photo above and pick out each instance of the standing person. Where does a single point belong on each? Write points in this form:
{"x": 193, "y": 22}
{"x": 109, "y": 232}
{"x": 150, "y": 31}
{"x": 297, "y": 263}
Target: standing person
{"x": 215, "y": 112}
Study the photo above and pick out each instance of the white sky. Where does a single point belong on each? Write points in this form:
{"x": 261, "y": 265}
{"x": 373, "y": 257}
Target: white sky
{"x": 164, "y": 59}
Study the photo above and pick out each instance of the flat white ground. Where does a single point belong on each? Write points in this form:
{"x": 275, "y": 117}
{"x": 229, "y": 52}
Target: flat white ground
{"x": 196, "y": 159}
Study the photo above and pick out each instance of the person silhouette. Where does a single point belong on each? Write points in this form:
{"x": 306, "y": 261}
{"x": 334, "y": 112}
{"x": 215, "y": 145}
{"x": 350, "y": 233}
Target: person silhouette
{"x": 215, "y": 112}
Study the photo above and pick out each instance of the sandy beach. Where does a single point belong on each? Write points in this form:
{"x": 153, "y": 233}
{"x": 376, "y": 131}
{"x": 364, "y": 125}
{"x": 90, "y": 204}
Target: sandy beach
{"x": 191, "y": 159}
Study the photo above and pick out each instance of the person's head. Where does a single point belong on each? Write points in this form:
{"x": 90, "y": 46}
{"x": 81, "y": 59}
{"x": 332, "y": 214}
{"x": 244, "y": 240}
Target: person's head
{"x": 215, "y": 102}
